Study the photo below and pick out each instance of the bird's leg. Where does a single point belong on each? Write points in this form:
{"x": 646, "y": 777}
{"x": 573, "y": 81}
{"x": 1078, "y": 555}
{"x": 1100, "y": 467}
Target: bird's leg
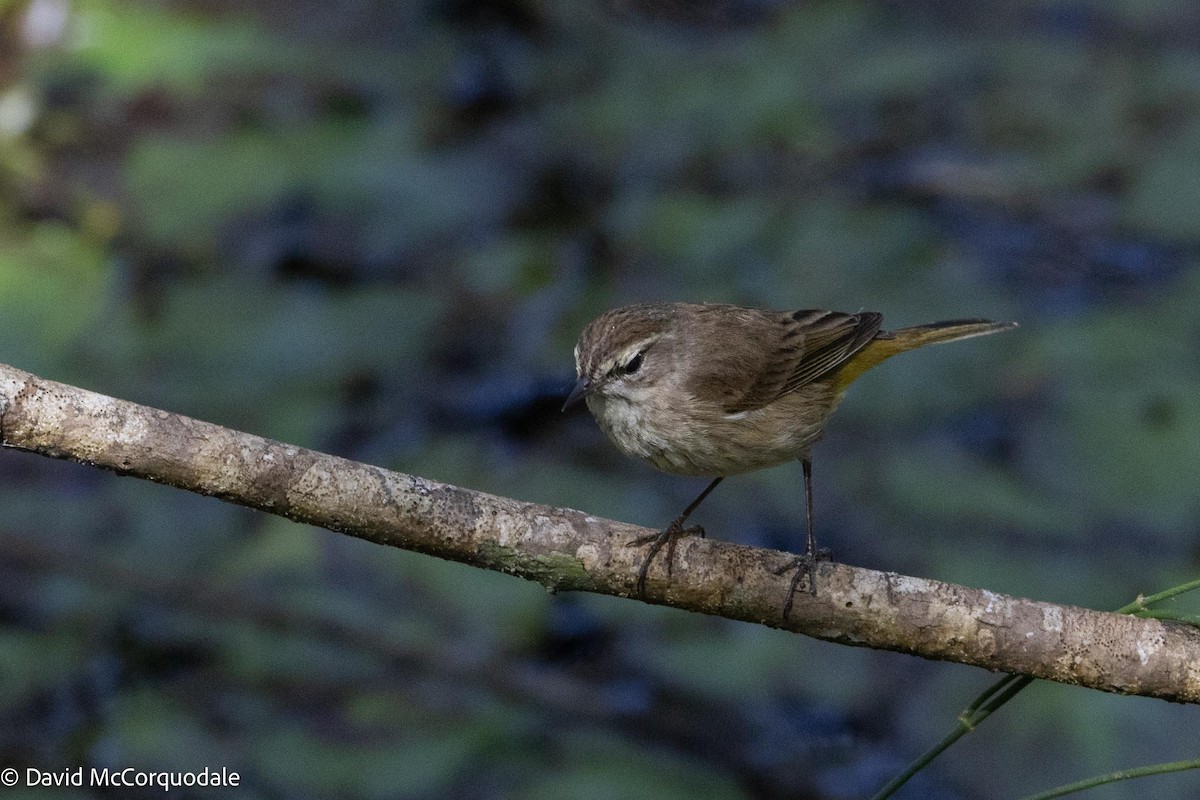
{"x": 668, "y": 537}
{"x": 804, "y": 564}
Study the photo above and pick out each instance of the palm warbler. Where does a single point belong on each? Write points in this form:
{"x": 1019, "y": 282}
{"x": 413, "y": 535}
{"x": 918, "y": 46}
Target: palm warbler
{"x": 718, "y": 390}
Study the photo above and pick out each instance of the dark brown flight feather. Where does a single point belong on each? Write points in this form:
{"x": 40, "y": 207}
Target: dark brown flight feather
{"x": 793, "y": 349}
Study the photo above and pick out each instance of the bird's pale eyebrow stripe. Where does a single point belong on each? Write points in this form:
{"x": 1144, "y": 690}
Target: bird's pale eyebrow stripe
{"x": 643, "y": 344}
{"x": 636, "y": 347}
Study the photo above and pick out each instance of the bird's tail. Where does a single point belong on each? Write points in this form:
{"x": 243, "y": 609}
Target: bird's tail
{"x": 888, "y": 343}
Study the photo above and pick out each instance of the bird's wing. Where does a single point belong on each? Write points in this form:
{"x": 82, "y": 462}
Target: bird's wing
{"x": 798, "y": 347}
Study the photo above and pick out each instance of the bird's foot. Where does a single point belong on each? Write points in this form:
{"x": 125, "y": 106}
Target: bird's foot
{"x": 667, "y": 537}
{"x": 804, "y": 566}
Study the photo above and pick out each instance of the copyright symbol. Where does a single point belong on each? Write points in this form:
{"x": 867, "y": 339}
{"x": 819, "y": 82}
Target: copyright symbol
{"x": 9, "y": 777}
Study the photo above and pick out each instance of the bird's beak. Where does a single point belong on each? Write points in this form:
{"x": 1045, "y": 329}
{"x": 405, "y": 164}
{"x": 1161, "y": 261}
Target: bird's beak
{"x": 582, "y": 387}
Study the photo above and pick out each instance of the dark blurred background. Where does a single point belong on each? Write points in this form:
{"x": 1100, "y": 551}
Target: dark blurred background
{"x": 376, "y": 228}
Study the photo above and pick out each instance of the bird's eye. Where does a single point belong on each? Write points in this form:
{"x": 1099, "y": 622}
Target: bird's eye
{"x": 633, "y": 364}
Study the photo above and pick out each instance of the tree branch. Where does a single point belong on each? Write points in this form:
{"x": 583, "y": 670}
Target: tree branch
{"x": 568, "y": 550}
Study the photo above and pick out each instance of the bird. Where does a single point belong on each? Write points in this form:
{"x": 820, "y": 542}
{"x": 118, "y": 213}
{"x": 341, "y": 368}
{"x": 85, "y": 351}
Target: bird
{"x": 715, "y": 390}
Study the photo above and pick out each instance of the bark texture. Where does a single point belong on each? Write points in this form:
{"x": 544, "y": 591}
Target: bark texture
{"x": 567, "y": 550}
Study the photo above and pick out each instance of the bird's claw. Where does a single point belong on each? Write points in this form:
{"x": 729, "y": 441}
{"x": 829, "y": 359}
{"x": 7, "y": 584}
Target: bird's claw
{"x": 804, "y": 566}
{"x": 668, "y": 537}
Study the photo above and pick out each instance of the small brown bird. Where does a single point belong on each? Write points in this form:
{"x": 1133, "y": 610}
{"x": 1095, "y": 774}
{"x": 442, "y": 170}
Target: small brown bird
{"x": 718, "y": 390}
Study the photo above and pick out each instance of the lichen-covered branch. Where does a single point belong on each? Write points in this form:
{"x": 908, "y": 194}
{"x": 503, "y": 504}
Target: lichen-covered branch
{"x": 568, "y": 550}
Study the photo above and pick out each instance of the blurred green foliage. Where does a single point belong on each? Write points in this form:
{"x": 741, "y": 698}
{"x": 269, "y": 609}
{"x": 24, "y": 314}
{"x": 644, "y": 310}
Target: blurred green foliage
{"x": 376, "y": 229}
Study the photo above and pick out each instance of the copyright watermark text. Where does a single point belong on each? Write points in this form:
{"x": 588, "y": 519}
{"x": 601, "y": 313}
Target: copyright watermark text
{"x": 129, "y": 777}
